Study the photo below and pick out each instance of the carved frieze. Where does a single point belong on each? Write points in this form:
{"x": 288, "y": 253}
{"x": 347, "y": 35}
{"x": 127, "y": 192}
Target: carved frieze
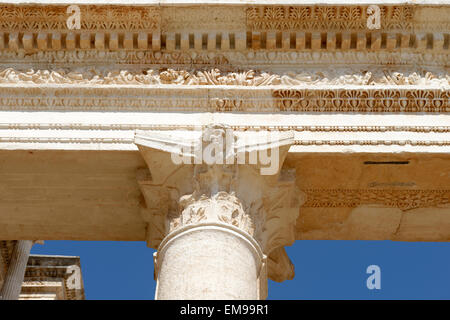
{"x": 211, "y": 98}
{"x": 320, "y": 17}
{"x": 46, "y": 18}
{"x": 216, "y": 77}
{"x": 396, "y": 198}
{"x": 365, "y": 100}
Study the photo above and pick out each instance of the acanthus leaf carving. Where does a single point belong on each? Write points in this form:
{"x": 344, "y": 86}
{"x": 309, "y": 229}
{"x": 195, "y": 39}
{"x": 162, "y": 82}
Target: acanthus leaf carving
{"x": 265, "y": 207}
{"x": 217, "y": 77}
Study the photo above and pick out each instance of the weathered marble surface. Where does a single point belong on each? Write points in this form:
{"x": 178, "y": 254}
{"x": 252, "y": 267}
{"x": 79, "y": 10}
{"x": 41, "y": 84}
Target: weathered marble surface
{"x": 368, "y": 111}
{"x": 218, "y": 77}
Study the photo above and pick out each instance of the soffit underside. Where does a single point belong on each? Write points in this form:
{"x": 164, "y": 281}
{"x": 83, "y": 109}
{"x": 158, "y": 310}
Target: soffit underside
{"x": 94, "y": 195}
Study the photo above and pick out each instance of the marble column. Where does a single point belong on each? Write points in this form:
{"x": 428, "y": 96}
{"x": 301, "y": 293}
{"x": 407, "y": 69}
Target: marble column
{"x": 210, "y": 259}
{"x": 214, "y": 223}
{"x": 16, "y": 270}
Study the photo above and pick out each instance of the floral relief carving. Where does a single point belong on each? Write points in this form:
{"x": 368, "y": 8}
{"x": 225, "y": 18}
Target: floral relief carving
{"x": 325, "y": 17}
{"x": 94, "y": 17}
{"x": 363, "y": 100}
{"x": 216, "y": 76}
{"x": 352, "y": 198}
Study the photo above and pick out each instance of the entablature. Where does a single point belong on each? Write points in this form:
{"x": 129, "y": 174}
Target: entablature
{"x": 116, "y": 29}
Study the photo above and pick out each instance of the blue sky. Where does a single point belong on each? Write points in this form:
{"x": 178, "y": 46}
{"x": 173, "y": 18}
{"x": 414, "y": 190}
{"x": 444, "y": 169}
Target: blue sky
{"x": 324, "y": 269}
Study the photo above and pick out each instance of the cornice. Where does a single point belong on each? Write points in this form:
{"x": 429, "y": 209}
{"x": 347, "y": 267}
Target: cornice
{"x": 417, "y": 28}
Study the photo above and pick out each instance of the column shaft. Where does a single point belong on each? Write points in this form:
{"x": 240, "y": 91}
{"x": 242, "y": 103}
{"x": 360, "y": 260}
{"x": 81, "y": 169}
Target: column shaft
{"x": 208, "y": 261}
{"x": 16, "y": 270}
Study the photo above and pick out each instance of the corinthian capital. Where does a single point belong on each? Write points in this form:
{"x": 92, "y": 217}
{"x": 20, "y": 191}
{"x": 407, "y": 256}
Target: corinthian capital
{"x": 216, "y": 175}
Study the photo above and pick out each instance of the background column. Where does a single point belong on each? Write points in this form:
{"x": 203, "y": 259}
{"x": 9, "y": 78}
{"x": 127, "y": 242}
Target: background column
{"x": 16, "y": 270}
